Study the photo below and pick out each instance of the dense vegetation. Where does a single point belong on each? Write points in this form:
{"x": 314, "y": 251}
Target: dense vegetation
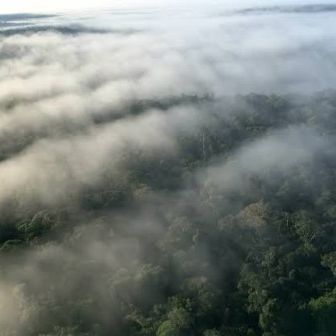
{"x": 165, "y": 247}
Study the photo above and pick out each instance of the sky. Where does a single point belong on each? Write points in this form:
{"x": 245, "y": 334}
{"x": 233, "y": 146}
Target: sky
{"x": 23, "y": 6}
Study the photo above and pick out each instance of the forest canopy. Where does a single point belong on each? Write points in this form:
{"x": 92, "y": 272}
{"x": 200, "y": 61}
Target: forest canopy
{"x": 158, "y": 184}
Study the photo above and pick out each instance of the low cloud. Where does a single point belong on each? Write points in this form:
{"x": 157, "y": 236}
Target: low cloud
{"x": 113, "y": 131}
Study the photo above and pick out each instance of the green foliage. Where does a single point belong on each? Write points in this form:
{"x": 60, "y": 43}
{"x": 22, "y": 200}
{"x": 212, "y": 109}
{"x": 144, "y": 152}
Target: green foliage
{"x": 167, "y": 328}
{"x": 324, "y": 313}
{"x": 254, "y": 259}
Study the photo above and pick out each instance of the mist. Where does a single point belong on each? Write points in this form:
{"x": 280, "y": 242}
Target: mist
{"x": 167, "y": 169}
